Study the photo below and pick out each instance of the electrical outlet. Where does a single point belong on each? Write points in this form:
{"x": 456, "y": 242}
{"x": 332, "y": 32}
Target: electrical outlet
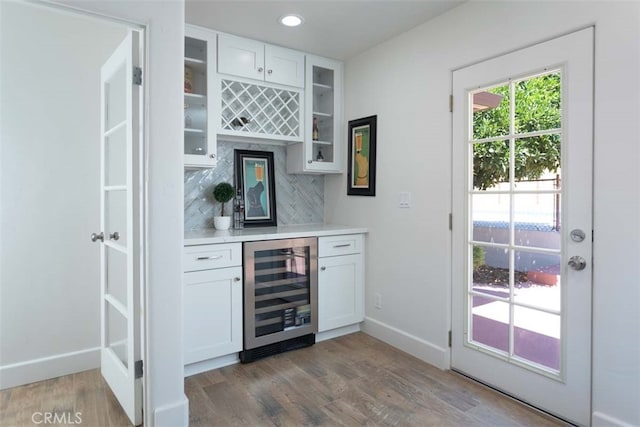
{"x": 378, "y": 301}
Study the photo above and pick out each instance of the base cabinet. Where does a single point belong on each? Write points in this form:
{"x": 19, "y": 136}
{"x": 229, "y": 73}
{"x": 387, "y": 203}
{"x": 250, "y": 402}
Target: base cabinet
{"x": 340, "y": 282}
{"x": 212, "y": 313}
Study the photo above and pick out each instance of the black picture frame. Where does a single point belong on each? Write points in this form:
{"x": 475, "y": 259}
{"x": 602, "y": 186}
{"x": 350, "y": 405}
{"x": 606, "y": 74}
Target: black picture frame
{"x": 361, "y": 169}
{"x": 258, "y": 187}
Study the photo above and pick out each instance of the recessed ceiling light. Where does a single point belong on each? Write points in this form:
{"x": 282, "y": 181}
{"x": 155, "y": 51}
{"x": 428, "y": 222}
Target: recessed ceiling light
{"x": 291, "y": 20}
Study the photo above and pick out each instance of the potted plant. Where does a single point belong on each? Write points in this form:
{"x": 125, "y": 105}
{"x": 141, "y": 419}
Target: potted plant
{"x": 223, "y": 193}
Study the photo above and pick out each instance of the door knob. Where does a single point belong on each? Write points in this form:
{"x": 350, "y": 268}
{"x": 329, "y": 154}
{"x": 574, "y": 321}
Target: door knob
{"x": 577, "y": 263}
{"x": 95, "y": 237}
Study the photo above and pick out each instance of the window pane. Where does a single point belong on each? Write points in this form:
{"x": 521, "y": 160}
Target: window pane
{"x": 490, "y": 217}
{"x": 537, "y": 158}
{"x": 537, "y": 220}
{"x": 117, "y": 333}
{"x": 540, "y": 284}
{"x": 116, "y": 274}
{"x": 491, "y": 166}
{"x": 537, "y": 337}
{"x": 491, "y": 112}
{"x": 538, "y": 102}
{"x": 490, "y": 323}
{"x": 116, "y": 98}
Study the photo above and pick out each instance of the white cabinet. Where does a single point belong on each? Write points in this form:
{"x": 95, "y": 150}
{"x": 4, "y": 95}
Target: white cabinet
{"x": 340, "y": 281}
{"x": 199, "y": 91}
{"x": 212, "y": 301}
{"x": 252, "y": 59}
{"x": 323, "y": 148}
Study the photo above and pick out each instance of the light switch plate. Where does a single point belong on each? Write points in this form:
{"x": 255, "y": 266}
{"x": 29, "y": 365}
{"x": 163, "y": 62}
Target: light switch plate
{"x": 405, "y": 199}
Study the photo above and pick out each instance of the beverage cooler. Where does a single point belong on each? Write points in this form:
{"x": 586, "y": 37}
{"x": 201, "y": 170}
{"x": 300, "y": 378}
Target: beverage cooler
{"x": 280, "y": 296}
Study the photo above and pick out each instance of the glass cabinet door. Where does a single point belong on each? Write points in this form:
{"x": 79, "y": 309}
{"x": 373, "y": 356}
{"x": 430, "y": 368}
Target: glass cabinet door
{"x": 199, "y": 144}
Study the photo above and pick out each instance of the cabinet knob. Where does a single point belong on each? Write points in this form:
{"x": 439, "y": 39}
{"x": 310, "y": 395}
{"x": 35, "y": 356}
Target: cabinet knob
{"x": 323, "y": 268}
{"x": 114, "y": 236}
{"x": 309, "y": 161}
{"x": 213, "y": 156}
{"x": 236, "y": 279}
{"x": 269, "y": 71}
{"x": 260, "y": 69}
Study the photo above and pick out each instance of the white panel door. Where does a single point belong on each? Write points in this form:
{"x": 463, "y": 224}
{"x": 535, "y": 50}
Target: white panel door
{"x": 120, "y": 224}
{"x": 241, "y": 57}
{"x": 522, "y": 209}
{"x": 284, "y": 66}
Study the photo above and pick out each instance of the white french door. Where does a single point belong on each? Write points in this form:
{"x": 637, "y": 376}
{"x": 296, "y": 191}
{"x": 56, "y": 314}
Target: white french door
{"x": 120, "y": 238}
{"x": 522, "y": 224}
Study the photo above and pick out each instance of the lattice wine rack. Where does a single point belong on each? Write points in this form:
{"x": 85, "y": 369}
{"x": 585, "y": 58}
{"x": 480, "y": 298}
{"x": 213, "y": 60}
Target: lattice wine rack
{"x": 264, "y": 110}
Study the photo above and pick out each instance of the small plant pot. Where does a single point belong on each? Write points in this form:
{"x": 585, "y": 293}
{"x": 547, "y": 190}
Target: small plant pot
{"x": 222, "y": 222}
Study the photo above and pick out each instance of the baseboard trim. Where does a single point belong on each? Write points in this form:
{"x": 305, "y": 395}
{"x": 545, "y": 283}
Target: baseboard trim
{"x": 598, "y": 419}
{"x": 45, "y": 368}
{"x": 415, "y": 346}
{"x": 338, "y": 332}
{"x": 207, "y": 365}
{"x": 174, "y": 415}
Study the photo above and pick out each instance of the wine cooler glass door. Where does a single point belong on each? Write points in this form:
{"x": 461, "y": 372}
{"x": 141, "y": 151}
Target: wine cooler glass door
{"x": 281, "y": 295}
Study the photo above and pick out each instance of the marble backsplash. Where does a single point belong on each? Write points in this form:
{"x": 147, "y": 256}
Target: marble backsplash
{"x": 299, "y": 198}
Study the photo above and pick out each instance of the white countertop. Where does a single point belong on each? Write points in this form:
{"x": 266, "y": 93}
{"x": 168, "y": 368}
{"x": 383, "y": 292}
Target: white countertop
{"x": 210, "y": 236}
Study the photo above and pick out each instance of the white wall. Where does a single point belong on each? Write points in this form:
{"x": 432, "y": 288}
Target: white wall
{"x": 49, "y": 272}
{"x": 406, "y": 82}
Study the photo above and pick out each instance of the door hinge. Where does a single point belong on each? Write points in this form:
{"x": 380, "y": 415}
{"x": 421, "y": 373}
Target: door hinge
{"x": 450, "y": 339}
{"x": 137, "y": 368}
{"x": 137, "y": 76}
{"x": 451, "y": 103}
{"x": 450, "y": 221}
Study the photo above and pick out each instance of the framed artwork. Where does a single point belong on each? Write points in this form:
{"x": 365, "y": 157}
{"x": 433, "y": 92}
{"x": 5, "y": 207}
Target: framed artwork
{"x": 361, "y": 173}
{"x": 255, "y": 180}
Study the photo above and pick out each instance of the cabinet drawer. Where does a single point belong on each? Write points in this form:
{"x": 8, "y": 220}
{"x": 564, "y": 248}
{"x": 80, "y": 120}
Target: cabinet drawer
{"x": 206, "y": 257}
{"x": 340, "y": 245}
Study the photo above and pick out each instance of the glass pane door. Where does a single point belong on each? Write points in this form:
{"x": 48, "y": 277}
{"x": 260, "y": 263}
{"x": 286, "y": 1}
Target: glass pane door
{"x": 515, "y": 289}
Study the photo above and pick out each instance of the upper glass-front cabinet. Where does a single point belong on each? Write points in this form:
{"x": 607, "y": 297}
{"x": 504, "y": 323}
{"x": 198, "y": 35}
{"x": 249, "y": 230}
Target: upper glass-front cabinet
{"x": 199, "y": 128}
{"x": 322, "y": 149}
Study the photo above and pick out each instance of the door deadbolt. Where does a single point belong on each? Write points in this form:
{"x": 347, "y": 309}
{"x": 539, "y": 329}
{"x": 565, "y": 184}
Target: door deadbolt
{"x": 577, "y": 235}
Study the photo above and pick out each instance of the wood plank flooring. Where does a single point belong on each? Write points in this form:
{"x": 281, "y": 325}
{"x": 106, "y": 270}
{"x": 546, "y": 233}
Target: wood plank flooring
{"x": 349, "y": 381}
{"x": 353, "y": 380}
{"x": 84, "y": 393}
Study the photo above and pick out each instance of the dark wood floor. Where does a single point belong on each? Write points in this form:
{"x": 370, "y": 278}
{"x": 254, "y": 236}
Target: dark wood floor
{"x": 349, "y": 381}
{"x": 84, "y": 393}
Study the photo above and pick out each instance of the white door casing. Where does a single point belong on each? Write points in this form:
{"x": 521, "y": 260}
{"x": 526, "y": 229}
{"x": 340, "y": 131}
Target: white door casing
{"x": 565, "y": 392}
{"x": 120, "y": 251}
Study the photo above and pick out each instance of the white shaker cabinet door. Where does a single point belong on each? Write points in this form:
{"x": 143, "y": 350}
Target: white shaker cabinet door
{"x": 340, "y": 291}
{"x": 212, "y": 313}
{"x": 284, "y": 66}
{"x": 241, "y": 57}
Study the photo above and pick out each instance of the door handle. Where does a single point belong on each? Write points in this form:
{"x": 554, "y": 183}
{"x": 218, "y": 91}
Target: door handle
{"x": 577, "y": 263}
{"x": 95, "y": 237}
{"x": 203, "y": 258}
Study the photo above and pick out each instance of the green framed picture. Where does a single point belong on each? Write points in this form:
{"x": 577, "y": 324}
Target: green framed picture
{"x": 361, "y": 172}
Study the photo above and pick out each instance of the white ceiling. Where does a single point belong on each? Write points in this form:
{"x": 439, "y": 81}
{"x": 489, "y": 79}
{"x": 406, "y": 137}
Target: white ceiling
{"x": 334, "y": 28}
